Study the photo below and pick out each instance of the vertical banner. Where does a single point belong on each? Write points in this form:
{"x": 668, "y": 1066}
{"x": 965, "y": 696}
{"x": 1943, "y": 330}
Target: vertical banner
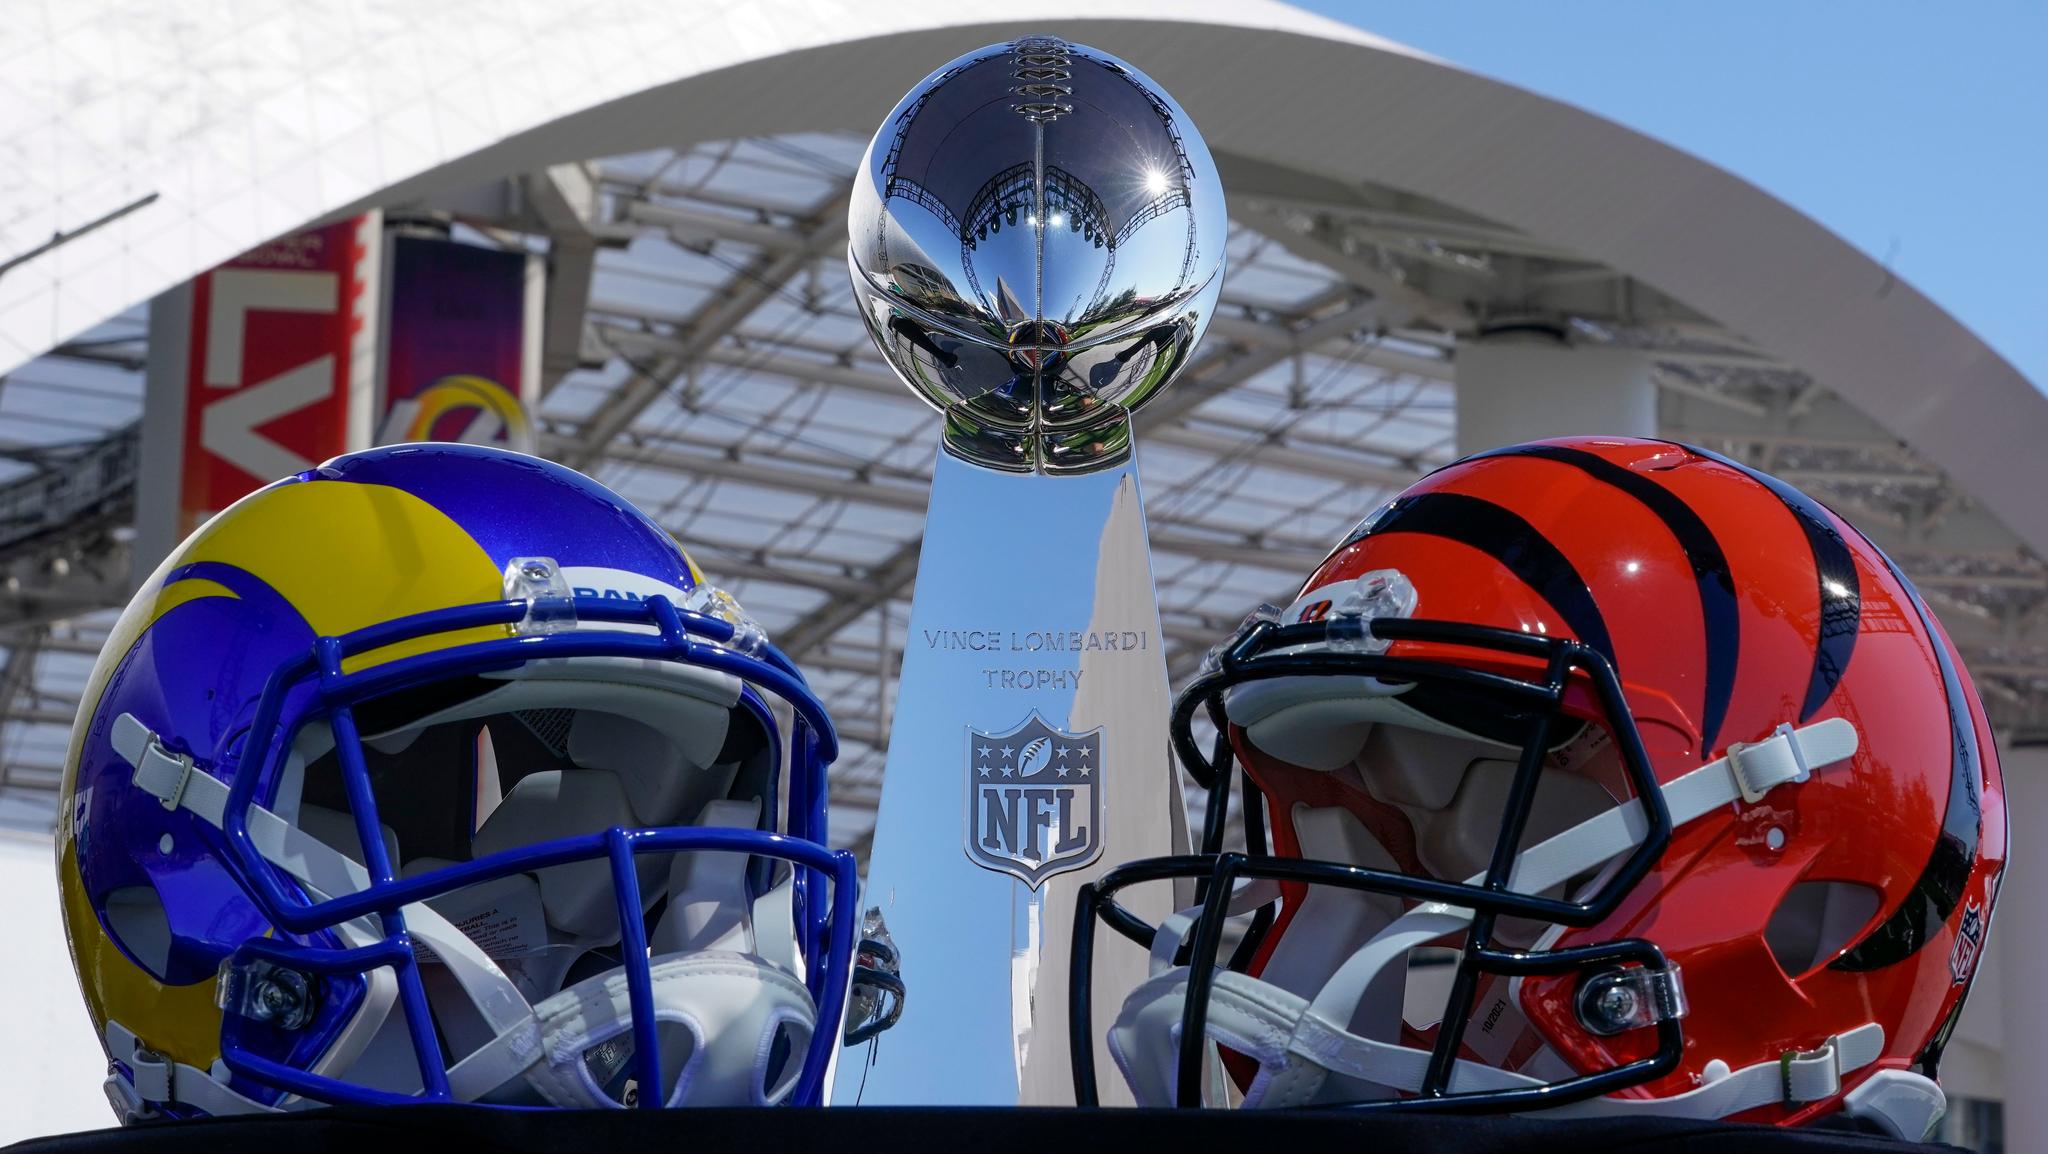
{"x": 461, "y": 344}
{"x": 258, "y": 369}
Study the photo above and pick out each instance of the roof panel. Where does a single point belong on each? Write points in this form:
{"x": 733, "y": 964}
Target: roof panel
{"x": 780, "y": 452}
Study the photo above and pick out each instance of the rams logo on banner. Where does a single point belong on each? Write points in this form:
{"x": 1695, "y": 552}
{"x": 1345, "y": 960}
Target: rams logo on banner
{"x": 1034, "y": 800}
{"x": 461, "y": 407}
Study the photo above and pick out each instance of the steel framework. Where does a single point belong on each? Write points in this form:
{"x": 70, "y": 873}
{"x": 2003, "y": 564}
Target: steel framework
{"x": 704, "y": 359}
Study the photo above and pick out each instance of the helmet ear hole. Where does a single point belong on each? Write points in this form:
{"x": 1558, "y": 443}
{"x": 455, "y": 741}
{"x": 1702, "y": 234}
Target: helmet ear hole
{"x": 1817, "y": 920}
{"x": 784, "y": 1061}
{"x": 1428, "y": 988}
{"x": 166, "y": 940}
{"x": 136, "y": 920}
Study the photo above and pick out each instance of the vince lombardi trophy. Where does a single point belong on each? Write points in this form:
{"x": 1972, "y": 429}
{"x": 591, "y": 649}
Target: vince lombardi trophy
{"x": 1037, "y": 244}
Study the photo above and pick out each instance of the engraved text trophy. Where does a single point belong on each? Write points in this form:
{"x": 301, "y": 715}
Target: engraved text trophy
{"x": 1037, "y": 245}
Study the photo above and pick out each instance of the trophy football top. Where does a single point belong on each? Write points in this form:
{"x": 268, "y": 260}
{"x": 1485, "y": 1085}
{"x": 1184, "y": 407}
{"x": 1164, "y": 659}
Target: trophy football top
{"x": 1037, "y": 242}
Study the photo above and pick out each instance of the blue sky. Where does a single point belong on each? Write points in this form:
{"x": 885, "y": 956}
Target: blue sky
{"x": 1916, "y": 131}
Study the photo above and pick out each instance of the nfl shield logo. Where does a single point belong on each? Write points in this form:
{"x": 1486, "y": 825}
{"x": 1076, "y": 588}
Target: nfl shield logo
{"x": 1962, "y": 957}
{"x": 1034, "y": 800}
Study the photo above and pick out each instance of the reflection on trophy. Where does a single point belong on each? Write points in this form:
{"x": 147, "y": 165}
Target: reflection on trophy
{"x": 1037, "y": 242}
{"x": 1038, "y": 239}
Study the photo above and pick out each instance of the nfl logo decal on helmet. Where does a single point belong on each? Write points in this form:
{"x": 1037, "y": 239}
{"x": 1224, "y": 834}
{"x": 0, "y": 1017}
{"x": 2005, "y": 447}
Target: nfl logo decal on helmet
{"x": 1034, "y": 800}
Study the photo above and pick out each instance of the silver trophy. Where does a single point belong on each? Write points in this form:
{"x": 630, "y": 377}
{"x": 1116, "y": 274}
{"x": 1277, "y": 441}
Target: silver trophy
{"x": 1037, "y": 245}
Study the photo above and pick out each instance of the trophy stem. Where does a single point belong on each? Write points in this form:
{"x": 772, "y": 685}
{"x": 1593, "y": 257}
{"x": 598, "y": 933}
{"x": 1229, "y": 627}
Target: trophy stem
{"x": 1028, "y": 753}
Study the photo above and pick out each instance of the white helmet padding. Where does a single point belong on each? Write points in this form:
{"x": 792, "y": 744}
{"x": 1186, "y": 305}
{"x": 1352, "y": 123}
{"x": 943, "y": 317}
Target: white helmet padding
{"x": 1450, "y": 786}
{"x": 707, "y": 892}
{"x": 1344, "y": 919}
{"x": 1323, "y": 1019}
{"x": 338, "y": 829}
{"x": 734, "y": 1030}
{"x": 1321, "y": 722}
{"x": 1457, "y": 841}
{"x": 642, "y": 719}
{"x": 1307, "y": 1048}
{"x": 554, "y": 803}
{"x": 531, "y": 1002}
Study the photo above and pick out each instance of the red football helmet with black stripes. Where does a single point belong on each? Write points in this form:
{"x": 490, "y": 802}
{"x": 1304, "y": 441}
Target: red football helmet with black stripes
{"x": 1597, "y": 776}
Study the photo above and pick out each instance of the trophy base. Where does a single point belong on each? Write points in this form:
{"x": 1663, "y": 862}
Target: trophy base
{"x": 985, "y": 1131}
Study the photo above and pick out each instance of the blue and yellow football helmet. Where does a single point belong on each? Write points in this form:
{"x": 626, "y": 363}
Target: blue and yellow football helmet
{"x": 440, "y": 773}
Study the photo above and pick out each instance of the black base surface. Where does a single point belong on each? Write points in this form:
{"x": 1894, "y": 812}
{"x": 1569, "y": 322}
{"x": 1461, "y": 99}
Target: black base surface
{"x": 918, "y": 1131}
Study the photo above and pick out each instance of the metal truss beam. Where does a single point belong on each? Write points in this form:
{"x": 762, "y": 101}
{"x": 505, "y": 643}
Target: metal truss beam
{"x": 1218, "y": 372}
{"x": 1402, "y": 276}
{"x": 1256, "y": 182}
{"x": 1432, "y": 262}
{"x": 888, "y": 581}
{"x": 17, "y": 674}
{"x": 1323, "y": 333}
{"x": 1396, "y": 302}
{"x": 1252, "y": 445}
{"x": 912, "y": 493}
{"x": 564, "y": 199}
{"x": 763, "y": 277}
{"x": 689, "y": 224}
